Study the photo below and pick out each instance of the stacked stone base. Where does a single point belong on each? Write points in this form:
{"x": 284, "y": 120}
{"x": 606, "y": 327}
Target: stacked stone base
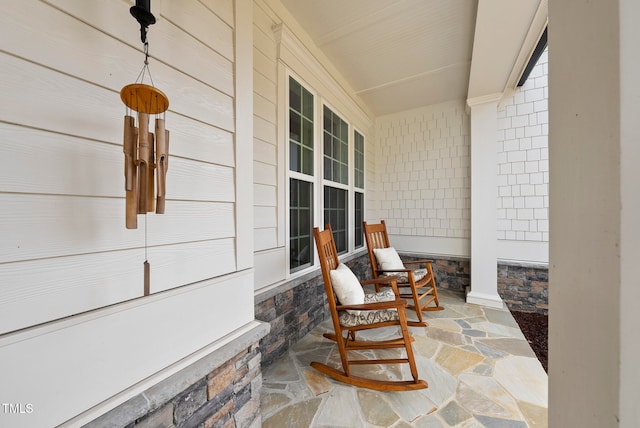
{"x": 524, "y": 287}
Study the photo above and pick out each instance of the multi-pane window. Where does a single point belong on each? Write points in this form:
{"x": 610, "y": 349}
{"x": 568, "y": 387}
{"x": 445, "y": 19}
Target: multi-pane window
{"x": 301, "y": 177}
{"x": 322, "y": 175}
{"x": 336, "y": 147}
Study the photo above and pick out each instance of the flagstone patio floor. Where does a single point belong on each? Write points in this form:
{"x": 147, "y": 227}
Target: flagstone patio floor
{"x": 480, "y": 369}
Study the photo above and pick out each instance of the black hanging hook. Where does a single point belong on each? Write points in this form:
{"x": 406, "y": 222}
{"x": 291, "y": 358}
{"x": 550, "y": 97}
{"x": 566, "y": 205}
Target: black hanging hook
{"x": 142, "y": 13}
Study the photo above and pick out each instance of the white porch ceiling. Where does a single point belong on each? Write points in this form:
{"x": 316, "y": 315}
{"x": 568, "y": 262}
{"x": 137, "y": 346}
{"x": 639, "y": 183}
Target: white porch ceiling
{"x": 402, "y": 54}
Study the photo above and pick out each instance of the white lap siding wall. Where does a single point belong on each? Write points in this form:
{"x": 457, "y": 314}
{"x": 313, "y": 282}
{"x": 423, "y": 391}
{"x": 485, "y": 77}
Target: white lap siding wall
{"x": 75, "y": 329}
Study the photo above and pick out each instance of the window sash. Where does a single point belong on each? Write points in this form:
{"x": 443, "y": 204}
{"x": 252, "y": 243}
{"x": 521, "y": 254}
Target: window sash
{"x": 301, "y": 128}
{"x": 336, "y": 147}
{"x": 358, "y": 160}
{"x": 358, "y": 209}
{"x": 300, "y": 224}
{"x": 335, "y": 214}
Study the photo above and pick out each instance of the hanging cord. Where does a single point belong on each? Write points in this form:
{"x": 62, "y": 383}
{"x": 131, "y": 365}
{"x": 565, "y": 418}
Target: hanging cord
{"x": 145, "y": 67}
{"x": 145, "y": 238}
{"x": 146, "y": 266}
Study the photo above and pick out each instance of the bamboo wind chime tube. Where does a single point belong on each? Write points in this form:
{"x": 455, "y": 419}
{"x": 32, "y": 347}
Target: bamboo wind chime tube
{"x": 162, "y": 163}
{"x": 151, "y": 197}
{"x": 144, "y": 160}
{"x": 131, "y": 171}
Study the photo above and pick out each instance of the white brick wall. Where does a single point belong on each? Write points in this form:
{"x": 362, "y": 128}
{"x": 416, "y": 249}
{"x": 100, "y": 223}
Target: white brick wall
{"x": 423, "y": 163}
{"x": 523, "y": 160}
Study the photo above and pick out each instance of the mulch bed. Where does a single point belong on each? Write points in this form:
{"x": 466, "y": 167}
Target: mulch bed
{"x": 535, "y": 328}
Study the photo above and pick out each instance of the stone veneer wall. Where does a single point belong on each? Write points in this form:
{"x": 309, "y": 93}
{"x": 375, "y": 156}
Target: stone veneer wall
{"x": 295, "y": 308}
{"x": 292, "y": 313}
{"x": 220, "y": 390}
{"x": 524, "y": 287}
{"x": 453, "y": 273}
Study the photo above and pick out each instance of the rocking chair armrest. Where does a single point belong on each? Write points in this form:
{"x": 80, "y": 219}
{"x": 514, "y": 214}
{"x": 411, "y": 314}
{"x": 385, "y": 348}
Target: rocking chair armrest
{"x": 376, "y": 306}
{"x": 415, "y": 262}
{"x": 387, "y": 280}
{"x": 394, "y": 271}
{"x": 380, "y": 280}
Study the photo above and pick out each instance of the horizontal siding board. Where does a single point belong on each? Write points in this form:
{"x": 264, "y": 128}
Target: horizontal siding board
{"x": 205, "y": 26}
{"x": 264, "y": 108}
{"x": 270, "y": 267}
{"x": 35, "y": 161}
{"x": 264, "y": 130}
{"x": 264, "y": 65}
{"x": 34, "y": 292}
{"x": 265, "y": 238}
{"x": 197, "y": 140}
{"x": 222, "y": 8}
{"x": 265, "y": 217}
{"x": 42, "y": 226}
{"x": 191, "y": 262}
{"x": 264, "y": 152}
{"x": 264, "y": 44}
{"x": 199, "y": 181}
{"x": 265, "y": 195}
{"x": 264, "y": 87}
{"x": 264, "y": 173}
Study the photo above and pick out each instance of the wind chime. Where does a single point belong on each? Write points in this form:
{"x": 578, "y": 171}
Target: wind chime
{"x": 146, "y": 156}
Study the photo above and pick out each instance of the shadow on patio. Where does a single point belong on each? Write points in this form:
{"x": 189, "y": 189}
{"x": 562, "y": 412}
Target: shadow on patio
{"x": 480, "y": 369}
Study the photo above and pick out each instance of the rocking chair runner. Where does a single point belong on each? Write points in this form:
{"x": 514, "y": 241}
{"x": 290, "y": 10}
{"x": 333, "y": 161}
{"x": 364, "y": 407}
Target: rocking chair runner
{"x": 420, "y": 284}
{"x": 378, "y": 310}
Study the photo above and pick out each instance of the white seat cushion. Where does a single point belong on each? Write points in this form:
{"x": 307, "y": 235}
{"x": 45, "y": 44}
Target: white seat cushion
{"x": 347, "y": 287}
{"x": 388, "y": 258}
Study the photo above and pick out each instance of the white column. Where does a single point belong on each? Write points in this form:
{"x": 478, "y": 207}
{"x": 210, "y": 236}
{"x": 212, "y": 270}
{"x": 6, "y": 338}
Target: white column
{"x": 484, "y": 185}
{"x": 594, "y": 160}
{"x": 244, "y": 134}
{"x": 629, "y": 410}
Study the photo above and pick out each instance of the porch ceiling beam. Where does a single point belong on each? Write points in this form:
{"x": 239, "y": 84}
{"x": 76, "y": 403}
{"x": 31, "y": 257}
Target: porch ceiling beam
{"x": 506, "y": 34}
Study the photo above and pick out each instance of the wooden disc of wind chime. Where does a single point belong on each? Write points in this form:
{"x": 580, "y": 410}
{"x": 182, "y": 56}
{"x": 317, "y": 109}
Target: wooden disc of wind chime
{"x": 146, "y": 156}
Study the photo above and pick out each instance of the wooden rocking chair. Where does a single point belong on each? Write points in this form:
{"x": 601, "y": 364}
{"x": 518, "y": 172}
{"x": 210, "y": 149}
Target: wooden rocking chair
{"x": 378, "y": 310}
{"x": 416, "y": 284}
